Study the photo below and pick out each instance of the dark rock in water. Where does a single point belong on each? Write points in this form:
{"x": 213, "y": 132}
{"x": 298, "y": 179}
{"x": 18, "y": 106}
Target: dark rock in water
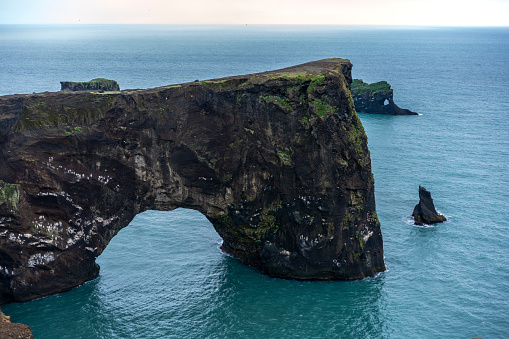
{"x": 425, "y": 212}
{"x": 375, "y": 98}
{"x": 277, "y": 161}
{"x": 13, "y": 330}
{"x": 99, "y": 84}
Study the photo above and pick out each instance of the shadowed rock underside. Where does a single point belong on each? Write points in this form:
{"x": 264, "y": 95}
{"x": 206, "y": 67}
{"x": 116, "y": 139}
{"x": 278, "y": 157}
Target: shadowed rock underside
{"x": 277, "y": 161}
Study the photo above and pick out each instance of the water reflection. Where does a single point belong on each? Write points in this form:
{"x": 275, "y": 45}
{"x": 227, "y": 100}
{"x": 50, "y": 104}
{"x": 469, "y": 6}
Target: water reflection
{"x": 257, "y": 306}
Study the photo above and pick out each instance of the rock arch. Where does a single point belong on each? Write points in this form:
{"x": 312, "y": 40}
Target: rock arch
{"x": 376, "y": 98}
{"x": 277, "y": 161}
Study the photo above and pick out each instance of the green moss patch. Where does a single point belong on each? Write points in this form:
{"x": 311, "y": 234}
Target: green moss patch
{"x": 285, "y": 156}
{"x": 278, "y": 101}
{"x": 92, "y": 107}
{"x": 9, "y": 194}
{"x": 359, "y": 87}
{"x": 322, "y": 109}
{"x": 357, "y": 136}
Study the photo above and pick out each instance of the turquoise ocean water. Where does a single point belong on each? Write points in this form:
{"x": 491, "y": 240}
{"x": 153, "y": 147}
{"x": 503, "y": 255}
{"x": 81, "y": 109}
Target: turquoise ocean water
{"x": 164, "y": 276}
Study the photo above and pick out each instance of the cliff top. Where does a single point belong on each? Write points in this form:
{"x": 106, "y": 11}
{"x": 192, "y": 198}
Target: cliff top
{"x": 308, "y": 71}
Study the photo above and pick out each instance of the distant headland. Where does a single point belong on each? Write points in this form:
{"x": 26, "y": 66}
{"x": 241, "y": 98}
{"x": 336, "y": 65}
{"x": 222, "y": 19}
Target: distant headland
{"x": 376, "y": 98}
{"x": 99, "y": 84}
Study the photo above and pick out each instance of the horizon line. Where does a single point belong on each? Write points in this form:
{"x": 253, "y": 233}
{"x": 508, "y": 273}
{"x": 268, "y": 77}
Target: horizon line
{"x": 251, "y": 24}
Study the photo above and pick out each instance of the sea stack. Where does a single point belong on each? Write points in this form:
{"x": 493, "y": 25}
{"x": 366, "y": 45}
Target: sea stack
{"x": 424, "y": 211}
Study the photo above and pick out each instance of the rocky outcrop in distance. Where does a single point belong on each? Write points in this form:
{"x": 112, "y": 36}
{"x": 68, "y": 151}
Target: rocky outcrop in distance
{"x": 277, "y": 161}
{"x": 376, "y": 98}
{"x": 425, "y": 212}
{"x": 99, "y": 84}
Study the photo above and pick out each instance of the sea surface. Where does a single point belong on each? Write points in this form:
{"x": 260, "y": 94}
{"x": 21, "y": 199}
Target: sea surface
{"x": 164, "y": 275}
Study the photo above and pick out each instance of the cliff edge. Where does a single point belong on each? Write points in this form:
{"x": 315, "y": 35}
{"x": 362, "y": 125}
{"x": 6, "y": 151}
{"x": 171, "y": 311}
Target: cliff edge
{"x": 277, "y": 161}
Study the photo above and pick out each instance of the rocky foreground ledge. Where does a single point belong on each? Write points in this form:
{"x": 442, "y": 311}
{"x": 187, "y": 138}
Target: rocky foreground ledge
{"x": 277, "y": 161}
{"x": 13, "y": 330}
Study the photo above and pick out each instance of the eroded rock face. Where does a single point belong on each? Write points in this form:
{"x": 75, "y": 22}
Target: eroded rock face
{"x": 376, "y": 98}
{"x": 277, "y": 161}
{"x": 425, "y": 212}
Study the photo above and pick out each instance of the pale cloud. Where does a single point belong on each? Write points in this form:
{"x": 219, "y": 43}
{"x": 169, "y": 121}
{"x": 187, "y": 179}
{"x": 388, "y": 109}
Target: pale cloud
{"x": 336, "y": 12}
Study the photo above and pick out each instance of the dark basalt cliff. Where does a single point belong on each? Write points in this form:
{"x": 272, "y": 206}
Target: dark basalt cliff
{"x": 99, "y": 84}
{"x": 376, "y": 98}
{"x": 277, "y": 161}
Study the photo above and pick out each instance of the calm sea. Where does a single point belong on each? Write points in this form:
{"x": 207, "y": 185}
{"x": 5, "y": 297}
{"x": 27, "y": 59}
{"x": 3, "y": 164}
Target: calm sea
{"x": 164, "y": 276}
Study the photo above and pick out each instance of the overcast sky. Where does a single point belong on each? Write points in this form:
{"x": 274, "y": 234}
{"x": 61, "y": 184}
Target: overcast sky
{"x": 336, "y": 12}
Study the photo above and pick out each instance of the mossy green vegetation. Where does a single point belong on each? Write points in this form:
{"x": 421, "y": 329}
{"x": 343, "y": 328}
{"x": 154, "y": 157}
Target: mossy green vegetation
{"x": 9, "y": 194}
{"x": 212, "y": 82}
{"x": 322, "y": 108}
{"x": 173, "y": 86}
{"x": 305, "y": 122}
{"x": 107, "y": 93}
{"x": 301, "y": 77}
{"x": 374, "y": 219}
{"x": 359, "y": 87}
{"x": 357, "y": 136}
{"x": 315, "y": 82}
{"x": 268, "y": 221}
{"x": 236, "y": 142}
{"x": 47, "y": 114}
{"x": 360, "y": 238}
{"x": 285, "y": 156}
{"x": 282, "y": 103}
{"x": 100, "y": 80}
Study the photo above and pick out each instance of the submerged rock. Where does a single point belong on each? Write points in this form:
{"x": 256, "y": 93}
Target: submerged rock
{"x": 375, "y": 98}
{"x": 277, "y": 161}
{"x": 99, "y": 84}
{"x": 425, "y": 212}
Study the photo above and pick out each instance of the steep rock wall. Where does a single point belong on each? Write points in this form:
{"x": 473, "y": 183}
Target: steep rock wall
{"x": 277, "y": 161}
